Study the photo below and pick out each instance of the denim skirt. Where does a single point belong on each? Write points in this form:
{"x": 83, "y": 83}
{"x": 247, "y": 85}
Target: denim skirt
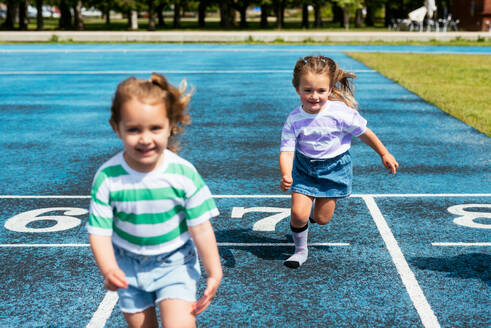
{"x": 322, "y": 177}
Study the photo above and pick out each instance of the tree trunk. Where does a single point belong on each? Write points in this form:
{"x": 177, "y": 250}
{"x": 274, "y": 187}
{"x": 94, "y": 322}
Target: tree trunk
{"x": 305, "y": 15}
{"x": 226, "y": 14}
{"x": 77, "y": 11}
{"x": 317, "y": 14}
{"x": 133, "y": 20}
{"x": 243, "y": 16}
{"x": 370, "y": 17}
{"x": 358, "y": 18}
{"x": 9, "y": 19}
{"x": 160, "y": 15}
{"x": 346, "y": 18}
{"x": 39, "y": 15}
{"x": 264, "y": 16}
{"x": 65, "y": 16}
{"x": 388, "y": 14}
{"x": 151, "y": 15}
{"x": 202, "y": 13}
{"x": 177, "y": 13}
{"x": 23, "y": 17}
{"x": 279, "y": 11}
{"x": 108, "y": 15}
{"x": 337, "y": 15}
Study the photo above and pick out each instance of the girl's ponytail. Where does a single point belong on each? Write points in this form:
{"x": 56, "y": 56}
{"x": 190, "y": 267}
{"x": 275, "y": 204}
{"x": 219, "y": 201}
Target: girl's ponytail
{"x": 342, "y": 87}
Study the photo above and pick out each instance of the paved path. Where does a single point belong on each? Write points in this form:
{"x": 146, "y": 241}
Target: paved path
{"x": 234, "y": 36}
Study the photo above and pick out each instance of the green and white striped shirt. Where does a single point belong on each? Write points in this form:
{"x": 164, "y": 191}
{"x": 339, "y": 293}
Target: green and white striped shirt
{"x": 149, "y": 213}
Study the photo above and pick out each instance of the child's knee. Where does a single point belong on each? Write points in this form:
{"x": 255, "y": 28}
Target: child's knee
{"x": 323, "y": 219}
{"x": 298, "y": 217}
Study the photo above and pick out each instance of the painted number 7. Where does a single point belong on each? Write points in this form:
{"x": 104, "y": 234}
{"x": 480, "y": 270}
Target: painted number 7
{"x": 266, "y": 224}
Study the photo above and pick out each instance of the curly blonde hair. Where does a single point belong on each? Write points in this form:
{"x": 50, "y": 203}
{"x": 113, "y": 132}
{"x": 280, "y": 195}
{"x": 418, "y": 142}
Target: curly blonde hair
{"x": 154, "y": 91}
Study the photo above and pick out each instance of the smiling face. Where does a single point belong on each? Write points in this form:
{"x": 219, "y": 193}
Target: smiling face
{"x": 313, "y": 90}
{"x": 144, "y": 130}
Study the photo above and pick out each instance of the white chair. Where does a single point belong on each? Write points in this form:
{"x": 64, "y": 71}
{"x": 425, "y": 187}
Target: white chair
{"x": 417, "y": 18}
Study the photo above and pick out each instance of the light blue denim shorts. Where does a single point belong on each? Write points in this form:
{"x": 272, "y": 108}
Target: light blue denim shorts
{"x": 325, "y": 177}
{"x": 151, "y": 279}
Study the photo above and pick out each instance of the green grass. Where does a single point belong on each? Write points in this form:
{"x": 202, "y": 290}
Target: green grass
{"x": 457, "y": 84}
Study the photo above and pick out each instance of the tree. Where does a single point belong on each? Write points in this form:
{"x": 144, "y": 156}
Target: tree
{"x": 347, "y": 6}
{"x": 227, "y": 18}
{"x": 241, "y": 7}
{"x": 151, "y": 15}
{"x": 77, "y": 13}
{"x": 39, "y": 15}
{"x": 65, "y": 21}
{"x": 23, "y": 17}
{"x": 265, "y": 8}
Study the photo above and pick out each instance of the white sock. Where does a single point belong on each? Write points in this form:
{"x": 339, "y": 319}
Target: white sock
{"x": 301, "y": 250}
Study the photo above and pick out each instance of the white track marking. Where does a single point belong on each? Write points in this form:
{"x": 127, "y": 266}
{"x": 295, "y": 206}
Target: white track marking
{"x": 461, "y": 244}
{"x": 219, "y": 244}
{"x": 44, "y": 245}
{"x": 415, "y": 292}
{"x": 159, "y": 71}
{"x": 104, "y": 310}
{"x": 244, "y": 50}
{"x": 279, "y": 244}
{"x": 252, "y": 196}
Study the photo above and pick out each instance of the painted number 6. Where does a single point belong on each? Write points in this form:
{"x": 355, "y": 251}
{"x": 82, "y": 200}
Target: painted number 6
{"x": 466, "y": 218}
{"x": 63, "y": 222}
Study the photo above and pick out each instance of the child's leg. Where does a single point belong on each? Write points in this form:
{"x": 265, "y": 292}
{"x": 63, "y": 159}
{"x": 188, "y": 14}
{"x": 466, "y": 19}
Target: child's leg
{"x": 301, "y": 206}
{"x": 177, "y": 313}
{"x": 145, "y": 319}
{"x": 324, "y": 209}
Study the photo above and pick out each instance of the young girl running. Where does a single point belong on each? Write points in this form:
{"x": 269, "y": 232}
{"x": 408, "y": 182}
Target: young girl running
{"x": 314, "y": 160}
{"x": 150, "y": 210}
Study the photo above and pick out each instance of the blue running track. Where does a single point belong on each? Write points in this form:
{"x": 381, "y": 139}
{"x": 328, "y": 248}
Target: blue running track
{"x": 411, "y": 250}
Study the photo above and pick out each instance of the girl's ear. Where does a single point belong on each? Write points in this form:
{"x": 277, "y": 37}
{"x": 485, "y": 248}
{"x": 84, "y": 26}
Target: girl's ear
{"x": 115, "y": 127}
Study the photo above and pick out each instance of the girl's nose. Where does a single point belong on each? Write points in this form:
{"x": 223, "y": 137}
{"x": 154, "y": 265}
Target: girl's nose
{"x": 145, "y": 138}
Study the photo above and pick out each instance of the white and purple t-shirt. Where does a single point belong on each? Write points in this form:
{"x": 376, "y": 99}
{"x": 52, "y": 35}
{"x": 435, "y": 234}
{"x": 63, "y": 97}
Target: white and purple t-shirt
{"x": 322, "y": 135}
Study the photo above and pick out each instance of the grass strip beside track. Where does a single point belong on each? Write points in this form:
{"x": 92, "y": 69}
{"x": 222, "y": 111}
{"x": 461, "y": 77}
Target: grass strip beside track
{"x": 457, "y": 84}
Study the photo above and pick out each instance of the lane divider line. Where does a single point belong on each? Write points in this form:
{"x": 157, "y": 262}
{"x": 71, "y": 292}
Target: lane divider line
{"x": 104, "y": 310}
{"x": 160, "y": 71}
{"x": 220, "y": 244}
{"x": 408, "y": 278}
{"x": 257, "y": 196}
{"x": 462, "y": 244}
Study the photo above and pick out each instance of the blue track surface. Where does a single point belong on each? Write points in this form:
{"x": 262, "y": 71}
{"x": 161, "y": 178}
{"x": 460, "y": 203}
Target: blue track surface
{"x": 54, "y": 135}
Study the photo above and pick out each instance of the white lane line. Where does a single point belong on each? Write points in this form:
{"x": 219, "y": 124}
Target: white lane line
{"x": 44, "y": 245}
{"x": 252, "y": 196}
{"x": 462, "y": 244}
{"x": 159, "y": 71}
{"x": 415, "y": 292}
{"x": 104, "y": 310}
{"x": 219, "y": 244}
{"x": 244, "y": 50}
{"x": 279, "y": 244}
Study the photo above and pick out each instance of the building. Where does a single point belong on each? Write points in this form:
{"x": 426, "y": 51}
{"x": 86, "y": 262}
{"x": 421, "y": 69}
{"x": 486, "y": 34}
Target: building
{"x": 474, "y": 15}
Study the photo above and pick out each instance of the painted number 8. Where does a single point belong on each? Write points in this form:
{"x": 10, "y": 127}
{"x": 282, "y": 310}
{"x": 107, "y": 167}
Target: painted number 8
{"x": 63, "y": 222}
{"x": 467, "y": 218}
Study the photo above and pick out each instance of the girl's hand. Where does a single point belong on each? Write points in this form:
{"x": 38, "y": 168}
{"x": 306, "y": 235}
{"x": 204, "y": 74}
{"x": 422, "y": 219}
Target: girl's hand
{"x": 390, "y": 163}
{"x": 205, "y": 300}
{"x": 286, "y": 182}
{"x": 115, "y": 279}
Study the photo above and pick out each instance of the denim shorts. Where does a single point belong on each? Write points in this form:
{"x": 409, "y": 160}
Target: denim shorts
{"x": 151, "y": 279}
{"x": 324, "y": 177}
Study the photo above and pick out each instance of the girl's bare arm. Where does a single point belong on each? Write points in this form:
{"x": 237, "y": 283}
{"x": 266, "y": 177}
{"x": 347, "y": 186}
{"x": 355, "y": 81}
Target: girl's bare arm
{"x": 373, "y": 141}
{"x": 286, "y": 165}
{"x": 103, "y": 251}
{"x": 204, "y": 239}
